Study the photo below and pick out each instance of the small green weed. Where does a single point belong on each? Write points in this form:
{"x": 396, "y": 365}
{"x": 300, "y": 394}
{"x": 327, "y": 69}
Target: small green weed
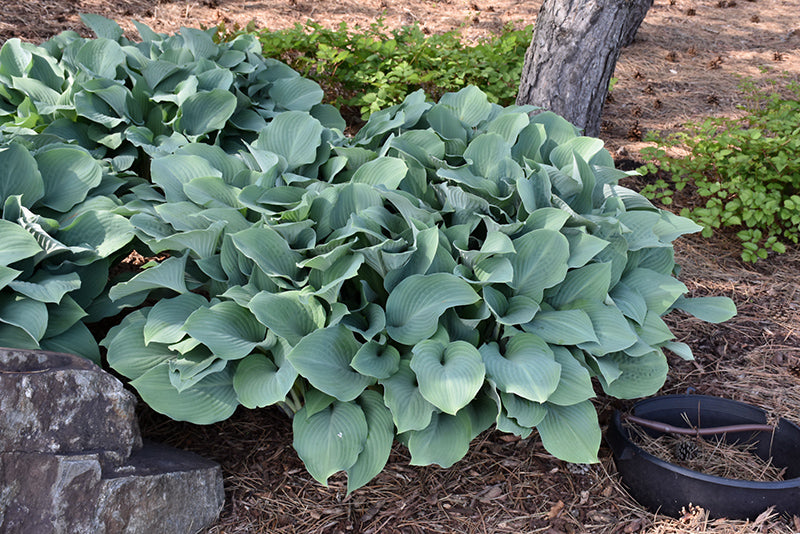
{"x": 370, "y": 68}
{"x": 747, "y": 170}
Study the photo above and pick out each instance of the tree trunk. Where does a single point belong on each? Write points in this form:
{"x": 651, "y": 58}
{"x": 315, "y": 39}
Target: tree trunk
{"x": 573, "y": 53}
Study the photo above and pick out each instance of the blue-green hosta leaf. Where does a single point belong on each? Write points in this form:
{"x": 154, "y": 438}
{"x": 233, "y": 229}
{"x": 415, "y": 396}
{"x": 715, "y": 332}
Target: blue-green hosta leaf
{"x": 386, "y": 171}
{"x": 190, "y": 368}
{"x": 7, "y": 274}
{"x": 540, "y": 262}
{"x": 369, "y": 322}
{"x": 165, "y": 320}
{"x": 323, "y": 358}
{"x": 641, "y": 376}
{"x": 583, "y": 247}
{"x": 212, "y": 192}
{"x": 46, "y": 287}
{"x": 444, "y": 442}
{"x": 516, "y": 310}
{"x": 169, "y": 274}
{"x": 127, "y": 353}
{"x": 450, "y": 375}
{"x": 509, "y": 125}
{"x": 653, "y": 331}
{"x": 16, "y": 337}
{"x": 494, "y": 270}
{"x": 660, "y": 291}
{"x": 681, "y": 349}
{"x": 227, "y": 329}
{"x": 585, "y": 147}
{"x": 419, "y": 261}
{"x": 269, "y": 250}
{"x": 613, "y": 331}
{"x": 629, "y": 301}
{"x": 571, "y": 433}
{"x": 410, "y": 410}
{"x": 172, "y": 172}
{"x": 102, "y": 27}
{"x": 641, "y": 223}
{"x": 200, "y": 243}
{"x": 15, "y": 58}
{"x": 291, "y": 315}
{"x": 101, "y": 57}
{"x": 16, "y": 243}
{"x": 68, "y": 173}
{"x": 28, "y": 314}
{"x": 670, "y": 227}
{"x": 562, "y": 327}
{"x": 528, "y": 368}
{"x": 19, "y": 175}
{"x": 76, "y": 340}
{"x": 470, "y": 105}
{"x": 330, "y": 440}
{"x": 709, "y": 309}
{"x": 526, "y": 413}
{"x": 206, "y": 111}
{"x": 378, "y": 445}
{"x": 415, "y": 305}
{"x": 63, "y": 316}
{"x": 259, "y": 382}
{"x": 294, "y": 135}
{"x": 211, "y": 400}
{"x": 296, "y": 94}
{"x": 103, "y": 231}
{"x": 376, "y": 360}
{"x": 590, "y": 282}
{"x": 575, "y": 384}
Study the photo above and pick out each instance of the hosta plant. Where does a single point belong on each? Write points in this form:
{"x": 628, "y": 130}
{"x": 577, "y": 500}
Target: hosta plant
{"x": 453, "y": 266}
{"x": 62, "y": 229}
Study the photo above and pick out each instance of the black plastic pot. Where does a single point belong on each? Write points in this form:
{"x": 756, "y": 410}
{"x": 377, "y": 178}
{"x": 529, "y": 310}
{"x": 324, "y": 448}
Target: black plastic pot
{"x": 665, "y": 487}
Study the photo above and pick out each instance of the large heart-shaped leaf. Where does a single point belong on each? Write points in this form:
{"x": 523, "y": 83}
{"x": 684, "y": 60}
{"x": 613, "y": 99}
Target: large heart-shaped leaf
{"x": 323, "y": 357}
{"x": 210, "y": 400}
{"x": 291, "y": 315}
{"x": 206, "y": 111}
{"x": 166, "y": 319}
{"x": 227, "y": 329}
{"x": 16, "y": 243}
{"x": 571, "y": 433}
{"x": 259, "y": 382}
{"x": 378, "y": 445}
{"x": 415, "y": 305}
{"x": 410, "y": 410}
{"x": 540, "y": 262}
{"x": 526, "y": 368}
{"x": 68, "y": 173}
{"x": 330, "y": 440}
{"x": 19, "y": 175}
{"x": 444, "y": 442}
{"x": 449, "y": 375}
{"x": 294, "y": 135}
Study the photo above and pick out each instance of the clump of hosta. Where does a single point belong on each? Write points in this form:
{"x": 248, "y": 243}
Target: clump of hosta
{"x": 454, "y": 266}
{"x": 62, "y": 228}
{"x": 122, "y": 99}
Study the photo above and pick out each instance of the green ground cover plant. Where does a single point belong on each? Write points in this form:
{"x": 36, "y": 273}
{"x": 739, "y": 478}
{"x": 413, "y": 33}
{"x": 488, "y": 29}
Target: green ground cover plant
{"x": 371, "y": 68}
{"x": 746, "y": 171}
{"x": 453, "y": 266}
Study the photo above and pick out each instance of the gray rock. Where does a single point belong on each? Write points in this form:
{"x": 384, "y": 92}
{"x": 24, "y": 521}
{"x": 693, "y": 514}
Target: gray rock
{"x": 63, "y": 404}
{"x": 72, "y": 460}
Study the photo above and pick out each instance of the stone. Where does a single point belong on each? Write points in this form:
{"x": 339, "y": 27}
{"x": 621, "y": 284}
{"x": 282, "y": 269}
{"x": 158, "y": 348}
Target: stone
{"x": 63, "y": 404}
{"x": 72, "y": 460}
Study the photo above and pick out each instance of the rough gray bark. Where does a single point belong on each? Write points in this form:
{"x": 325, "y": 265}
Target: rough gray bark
{"x": 573, "y": 53}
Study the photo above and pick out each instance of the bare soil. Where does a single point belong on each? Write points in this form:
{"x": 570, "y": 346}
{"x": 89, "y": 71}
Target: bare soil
{"x": 686, "y": 63}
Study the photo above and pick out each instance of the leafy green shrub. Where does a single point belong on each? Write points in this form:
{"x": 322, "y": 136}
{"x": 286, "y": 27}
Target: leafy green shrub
{"x": 62, "y": 228}
{"x": 122, "y": 99}
{"x": 451, "y": 267}
{"x": 747, "y": 170}
{"x": 373, "y": 67}
{"x": 82, "y": 118}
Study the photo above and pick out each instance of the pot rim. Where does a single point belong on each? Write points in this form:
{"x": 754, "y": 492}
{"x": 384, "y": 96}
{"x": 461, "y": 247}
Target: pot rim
{"x": 697, "y": 475}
